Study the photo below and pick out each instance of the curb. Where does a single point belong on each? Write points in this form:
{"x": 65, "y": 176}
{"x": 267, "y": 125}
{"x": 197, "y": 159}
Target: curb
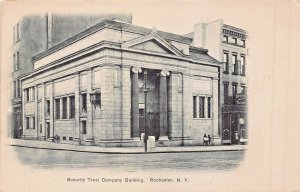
{"x": 108, "y": 152}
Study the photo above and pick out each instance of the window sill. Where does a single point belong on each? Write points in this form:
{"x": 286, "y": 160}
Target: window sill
{"x": 202, "y": 118}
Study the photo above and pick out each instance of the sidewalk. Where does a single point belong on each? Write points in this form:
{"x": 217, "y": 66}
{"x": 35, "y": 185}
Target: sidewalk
{"x": 121, "y": 150}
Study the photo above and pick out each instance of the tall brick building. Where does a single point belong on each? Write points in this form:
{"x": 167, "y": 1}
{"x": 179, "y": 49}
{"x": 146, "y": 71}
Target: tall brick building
{"x": 88, "y": 89}
{"x": 36, "y": 33}
{"x": 228, "y": 44}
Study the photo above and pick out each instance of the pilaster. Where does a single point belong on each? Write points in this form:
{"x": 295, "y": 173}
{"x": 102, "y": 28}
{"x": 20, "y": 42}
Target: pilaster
{"x": 77, "y": 109}
{"x": 163, "y": 107}
{"x": 89, "y": 123}
{"x": 51, "y": 95}
{"x": 135, "y": 103}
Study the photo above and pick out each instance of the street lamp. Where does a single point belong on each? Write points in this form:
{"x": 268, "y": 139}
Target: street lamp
{"x": 145, "y": 90}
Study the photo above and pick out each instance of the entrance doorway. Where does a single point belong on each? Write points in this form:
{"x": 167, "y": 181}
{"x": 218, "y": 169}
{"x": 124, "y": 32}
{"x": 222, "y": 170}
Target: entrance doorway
{"x": 48, "y": 130}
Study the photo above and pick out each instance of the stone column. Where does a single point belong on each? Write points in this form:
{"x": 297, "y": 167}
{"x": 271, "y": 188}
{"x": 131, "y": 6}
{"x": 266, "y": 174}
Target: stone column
{"x": 216, "y": 139}
{"x": 89, "y": 122}
{"x": 43, "y": 112}
{"x": 135, "y": 103}
{"x": 163, "y": 106}
{"x": 51, "y": 95}
{"x": 36, "y": 111}
{"x": 77, "y": 109}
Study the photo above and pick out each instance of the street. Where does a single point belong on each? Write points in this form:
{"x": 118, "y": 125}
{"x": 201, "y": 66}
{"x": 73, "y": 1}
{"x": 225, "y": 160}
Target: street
{"x": 193, "y": 161}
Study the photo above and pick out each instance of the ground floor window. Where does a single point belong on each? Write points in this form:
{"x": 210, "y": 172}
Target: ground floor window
{"x": 83, "y": 127}
{"x": 202, "y": 106}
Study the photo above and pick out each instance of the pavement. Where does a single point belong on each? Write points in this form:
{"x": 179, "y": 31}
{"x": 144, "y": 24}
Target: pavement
{"x": 120, "y": 150}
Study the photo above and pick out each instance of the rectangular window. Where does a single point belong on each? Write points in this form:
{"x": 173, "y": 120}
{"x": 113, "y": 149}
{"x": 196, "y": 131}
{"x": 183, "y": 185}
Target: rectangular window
{"x": 194, "y": 106}
{"x": 27, "y": 122}
{"x": 47, "y": 107}
{"x": 242, "y": 70}
{"x": 225, "y": 38}
{"x": 234, "y": 90}
{"x": 208, "y": 107}
{"x": 64, "y": 138}
{"x": 234, "y": 40}
{"x": 243, "y": 42}
{"x": 83, "y": 127}
{"x": 98, "y": 100}
{"x": 33, "y": 93}
{"x": 41, "y": 129}
{"x": 18, "y": 32}
{"x": 70, "y": 138}
{"x": 83, "y": 103}
{"x": 18, "y": 89}
{"x": 17, "y": 60}
{"x": 201, "y": 107}
{"x": 33, "y": 122}
{"x": 225, "y": 89}
{"x": 72, "y": 107}
{"x": 15, "y": 89}
{"x": 234, "y": 64}
{"x": 225, "y": 60}
{"x": 57, "y": 108}
{"x": 64, "y": 108}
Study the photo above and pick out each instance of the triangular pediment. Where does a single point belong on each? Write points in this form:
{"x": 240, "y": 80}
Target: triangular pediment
{"x": 153, "y": 46}
{"x": 152, "y": 43}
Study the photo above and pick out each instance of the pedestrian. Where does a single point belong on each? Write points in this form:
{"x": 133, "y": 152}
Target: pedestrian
{"x": 205, "y": 140}
{"x": 20, "y": 132}
{"x": 209, "y": 138}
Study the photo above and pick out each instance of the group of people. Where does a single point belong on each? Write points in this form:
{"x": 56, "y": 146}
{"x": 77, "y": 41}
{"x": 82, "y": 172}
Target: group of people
{"x": 206, "y": 140}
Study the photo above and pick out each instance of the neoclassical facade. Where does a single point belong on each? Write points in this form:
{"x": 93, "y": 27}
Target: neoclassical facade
{"x": 89, "y": 89}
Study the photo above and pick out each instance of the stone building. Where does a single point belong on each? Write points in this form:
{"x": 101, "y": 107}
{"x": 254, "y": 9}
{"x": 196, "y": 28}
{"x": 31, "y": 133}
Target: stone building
{"x": 228, "y": 45}
{"x": 89, "y": 89}
{"x": 34, "y": 34}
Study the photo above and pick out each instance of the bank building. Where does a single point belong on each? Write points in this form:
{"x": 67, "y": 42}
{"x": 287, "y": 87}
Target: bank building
{"x": 90, "y": 89}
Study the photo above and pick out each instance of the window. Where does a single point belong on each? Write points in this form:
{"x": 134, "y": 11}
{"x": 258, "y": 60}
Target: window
{"x": 225, "y": 60}
{"x": 33, "y": 94}
{"x": 33, "y": 122}
{"x": 194, "y": 106}
{"x": 18, "y": 89}
{"x": 64, "y": 138}
{"x": 225, "y": 89}
{"x": 234, "y": 89}
{"x": 15, "y": 89}
{"x": 83, "y": 127}
{"x": 64, "y": 108}
{"x": 234, "y": 40}
{"x": 225, "y": 38}
{"x": 27, "y": 94}
{"x": 72, "y": 107}
{"x": 98, "y": 100}
{"x": 83, "y": 103}
{"x": 70, "y": 138}
{"x": 27, "y": 122}
{"x": 47, "y": 107}
{"x": 201, "y": 107}
{"x": 18, "y": 32}
{"x": 208, "y": 107}
{"x": 17, "y": 61}
{"x": 57, "y": 108}
{"x": 234, "y": 64}
{"x": 243, "y": 42}
{"x": 41, "y": 129}
{"x": 242, "y": 67}
{"x": 243, "y": 90}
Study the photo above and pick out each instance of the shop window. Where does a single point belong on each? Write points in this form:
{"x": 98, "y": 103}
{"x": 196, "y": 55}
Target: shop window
{"x": 64, "y": 108}
{"x": 72, "y": 107}
{"x": 57, "y": 108}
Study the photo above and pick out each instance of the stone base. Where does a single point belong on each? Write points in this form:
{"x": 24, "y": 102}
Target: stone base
{"x": 77, "y": 141}
{"x": 50, "y": 139}
{"x": 175, "y": 141}
{"x": 134, "y": 142}
{"x": 89, "y": 142}
{"x": 163, "y": 138}
{"x": 216, "y": 141}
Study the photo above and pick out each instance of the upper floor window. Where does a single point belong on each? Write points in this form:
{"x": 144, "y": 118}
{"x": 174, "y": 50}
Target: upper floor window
{"x": 225, "y": 38}
{"x": 57, "y": 108}
{"x": 234, "y": 89}
{"x": 234, "y": 40}
{"x": 64, "y": 108}
{"x": 83, "y": 103}
{"x": 225, "y": 60}
{"x": 16, "y": 61}
{"x": 29, "y": 94}
{"x": 17, "y": 32}
{"x": 72, "y": 107}
{"x": 242, "y": 67}
{"x": 243, "y": 42}
{"x": 234, "y": 64}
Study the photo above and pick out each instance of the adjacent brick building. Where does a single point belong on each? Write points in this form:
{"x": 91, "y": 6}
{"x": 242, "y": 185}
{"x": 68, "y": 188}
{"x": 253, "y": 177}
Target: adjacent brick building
{"x": 228, "y": 44}
{"x": 88, "y": 89}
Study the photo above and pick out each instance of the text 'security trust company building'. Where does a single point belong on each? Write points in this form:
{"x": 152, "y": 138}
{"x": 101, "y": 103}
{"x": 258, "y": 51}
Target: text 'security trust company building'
{"x": 89, "y": 89}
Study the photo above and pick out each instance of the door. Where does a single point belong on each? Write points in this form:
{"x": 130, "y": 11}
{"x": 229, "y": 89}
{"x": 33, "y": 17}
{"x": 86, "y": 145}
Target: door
{"x": 48, "y": 130}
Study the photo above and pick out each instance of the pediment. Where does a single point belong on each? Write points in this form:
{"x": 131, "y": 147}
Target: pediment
{"x": 152, "y": 43}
